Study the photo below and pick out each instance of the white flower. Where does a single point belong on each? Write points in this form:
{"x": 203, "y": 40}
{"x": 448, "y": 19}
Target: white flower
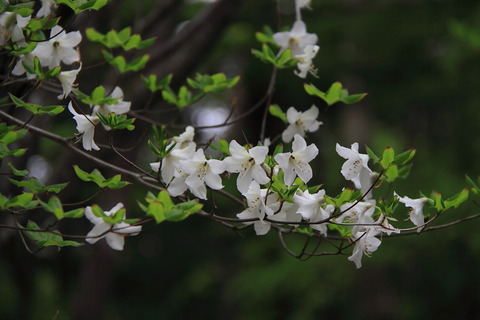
{"x": 354, "y": 211}
{"x": 202, "y": 171}
{"x": 303, "y": 3}
{"x": 185, "y": 139}
{"x": 247, "y": 164}
{"x": 11, "y": 25}
{"x": 120, "y": 107}
{"x": 20, "y": 69}
{"x": 67, "y": 78}
{"x": 365, "y": 242}
{"x": 301, "y": 122}
{"x": 304, "y": 61}
{"x": 60, "y": 48}
{"x": 46, "y": 9}
{"x": 356, "y": 167}
{"x": 296, "y": 39}
{"x": 114, "y": 233}
{"x": 385, "y": 226}
{"x": 296, "y": 162}
{"x": 86, "y": 126}
{"x": 416, "y": 214}
{"x": 321, "y": 215}
{"x": 261, "y": 205}
{"x": 183, "y": 147}
{"x": 308, "y": 204}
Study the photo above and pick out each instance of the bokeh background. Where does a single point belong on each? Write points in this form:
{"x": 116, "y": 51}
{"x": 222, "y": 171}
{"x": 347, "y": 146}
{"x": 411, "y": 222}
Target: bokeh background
{"x": 419, "y": 61}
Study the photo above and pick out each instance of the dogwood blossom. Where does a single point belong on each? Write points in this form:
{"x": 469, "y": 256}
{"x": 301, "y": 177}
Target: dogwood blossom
{"x": 67, "y": 78}
{"x": 365, "y": 243}
{"x": 304, "y": 61}
{"x": 296, "y": 162}
{"x": 416, "y": 213}
{"x": 60, "y": 48}
{"x": 202, "y": 171}
{"x": 296, "y": 39}
{"x": 86, "y": 126}
{"x": 120, "y": 107}
{"x": 114, "y": 233}
{"x": 247, "y": 164}
{"x": 301, "y": 122}
{"x": 356, "y": 167}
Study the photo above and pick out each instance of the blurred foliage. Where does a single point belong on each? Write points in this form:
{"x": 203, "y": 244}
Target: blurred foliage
{"x": 419, "y": 63}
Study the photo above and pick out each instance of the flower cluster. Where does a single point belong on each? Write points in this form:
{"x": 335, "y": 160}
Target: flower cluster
{"x": 86, "y": 123}
{"x": 302, "y": 44}
{"x": 275, "y": 188}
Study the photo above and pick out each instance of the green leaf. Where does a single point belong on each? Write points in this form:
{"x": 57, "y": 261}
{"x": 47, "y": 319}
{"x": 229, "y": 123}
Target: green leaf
{"x": 82, "y": 5}
{"x": 157, "y": 210}
{"x": 57, "y": 243}
{"x": 388, "y": 157}
{"x": 37, "y": 109}
{"x": 437, "y": 201}
{"x": 75, "y": 213}
{"x": 20, "y": 173}
{"x": 403, "y": 172}
{"x": 222, "y": 146}
{"x": 336, "y": 93}
{"x": 405, "y": 157}
{"x": 276, "y": 111}
{"x": 456, "y": 200}
{"x": 152, "y": 84}
{"x": 165, "y": 199}
{"x": 97, "y": 177}
{"x": 372, "y": 155}
{"x": 46, "y": 238}
{"x": 23, "y": 200}
{"x": 391, "y": 174}
{"x": 34, "y": 185}
{"x": 54, "y": 206}
{"x": 475, "y": 186}
{"x": 305, "y": 230}
{"x": 183, "y": 210}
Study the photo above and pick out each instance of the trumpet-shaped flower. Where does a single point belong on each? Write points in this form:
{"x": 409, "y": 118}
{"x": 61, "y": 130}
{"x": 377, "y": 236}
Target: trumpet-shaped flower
{"x": 46, "y": 9}
{"x": 353, "y": 212}
{"x": 296, "y": 39}
{"x": 183, "y": 147}
{"x": 114, "y": 233}
{"x": 304, "y": 61}
{"x": 86, "y": 126}
{"x": 247, "y": 164}
{"x": 296, "y": 162}
{"x": 120, "y": 107}
{"x": 67, "y": 78}
{"x": 60, "y": 48}
{"x": 261, "y": 205}
{"x": 356, "y": 167}
{"x": 301, "y": 122}
{"x": 202, "y": 171}
{"x": 365, "y": 242}
{"x": 309, "y": 204}
{"x": 416, "y": 212}
{"x": 19, "y": 69}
